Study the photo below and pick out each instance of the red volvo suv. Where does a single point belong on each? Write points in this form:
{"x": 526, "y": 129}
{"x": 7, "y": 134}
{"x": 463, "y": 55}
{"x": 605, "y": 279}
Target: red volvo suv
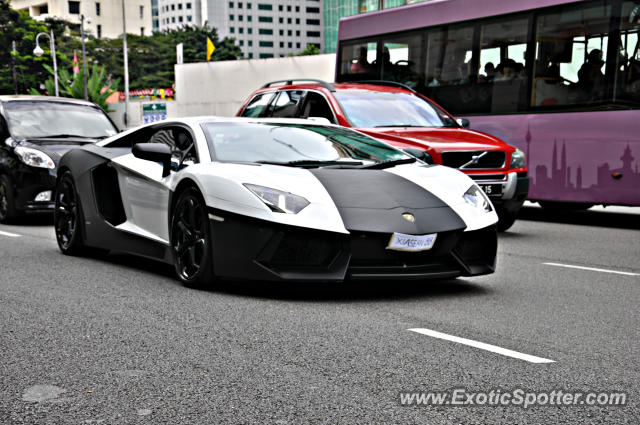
{"x": 407, "y": 120}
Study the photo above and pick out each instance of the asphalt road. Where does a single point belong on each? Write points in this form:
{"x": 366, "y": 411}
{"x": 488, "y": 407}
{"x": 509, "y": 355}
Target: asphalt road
{"x": 117, "y": 340}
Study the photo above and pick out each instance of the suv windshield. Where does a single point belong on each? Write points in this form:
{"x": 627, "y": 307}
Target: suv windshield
{"x": 294, "y": 144}
{"x": 383, "y": 109}
{"x": 30, "y": 120}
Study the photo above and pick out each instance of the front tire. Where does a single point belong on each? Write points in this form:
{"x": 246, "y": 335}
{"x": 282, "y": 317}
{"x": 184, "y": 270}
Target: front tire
{"x": 506, "y": 219}
{"x": 191, "y": 241}
{"x": 67, "y": 216}
{"x": 8, "y": 210}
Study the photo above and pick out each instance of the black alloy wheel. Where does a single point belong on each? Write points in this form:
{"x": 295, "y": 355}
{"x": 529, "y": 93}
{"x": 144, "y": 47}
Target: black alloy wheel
{"x": 7, "y": 207}
{"x": 190, "y": 240}
{"x": 67, "y": 216}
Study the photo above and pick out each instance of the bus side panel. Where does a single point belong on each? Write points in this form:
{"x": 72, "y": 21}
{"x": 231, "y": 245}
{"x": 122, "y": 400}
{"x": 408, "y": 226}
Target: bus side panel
{"x": 583, "y": 157}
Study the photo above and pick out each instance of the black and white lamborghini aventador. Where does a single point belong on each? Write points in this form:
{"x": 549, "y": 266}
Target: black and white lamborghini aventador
{"x": 272, "y": 200}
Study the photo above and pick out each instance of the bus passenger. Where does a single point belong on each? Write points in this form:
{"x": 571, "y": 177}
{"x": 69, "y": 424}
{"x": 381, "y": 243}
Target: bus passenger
{"x": 590, "y": 76}
{"x": 362, "y": 64}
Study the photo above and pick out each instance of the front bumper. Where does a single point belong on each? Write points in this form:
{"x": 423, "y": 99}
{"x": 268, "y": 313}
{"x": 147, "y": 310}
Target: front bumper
{"x": 30, "y": 181}
{"x": 515, "y": 188}
{"x": 251, "y": 249}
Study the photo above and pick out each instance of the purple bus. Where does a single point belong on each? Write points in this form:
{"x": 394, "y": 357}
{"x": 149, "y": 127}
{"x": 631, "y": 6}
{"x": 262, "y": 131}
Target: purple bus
{"x": 559, "y": 79}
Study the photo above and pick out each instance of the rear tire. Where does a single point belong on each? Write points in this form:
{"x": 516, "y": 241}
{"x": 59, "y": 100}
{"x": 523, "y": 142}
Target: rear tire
{"x": 67, "y": 217}
{"x": 8, "y": 211}
{"x": 191, "y": 241}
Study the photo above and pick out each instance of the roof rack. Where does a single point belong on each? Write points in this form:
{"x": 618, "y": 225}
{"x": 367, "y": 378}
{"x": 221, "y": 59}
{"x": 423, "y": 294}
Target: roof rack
{"x": 385, "y": 83}
{"x": 323, "y": 83}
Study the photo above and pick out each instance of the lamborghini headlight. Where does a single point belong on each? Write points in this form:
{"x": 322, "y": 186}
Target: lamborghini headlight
{"x": 34, "y": 157}
{"x": 477, "y": 199}
{"x": 277, "y": 200}
{"x": 517, "y": 159}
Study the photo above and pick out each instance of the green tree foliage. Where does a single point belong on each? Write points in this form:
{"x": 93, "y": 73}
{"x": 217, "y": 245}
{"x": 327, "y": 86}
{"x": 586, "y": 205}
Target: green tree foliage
{"x": 72, "y": 85}
{"x": 19, "y": 27}
{"x": 311, "y": 49}
{"x": 151, "y": 58}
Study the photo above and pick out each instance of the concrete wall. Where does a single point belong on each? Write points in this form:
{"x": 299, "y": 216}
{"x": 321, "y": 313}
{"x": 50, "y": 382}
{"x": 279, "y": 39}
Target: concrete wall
{"x": 219, "y": 88}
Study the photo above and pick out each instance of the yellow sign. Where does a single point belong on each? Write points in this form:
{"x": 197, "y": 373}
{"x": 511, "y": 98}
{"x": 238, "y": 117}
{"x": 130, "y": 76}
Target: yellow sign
{"x": 210, "y": 48}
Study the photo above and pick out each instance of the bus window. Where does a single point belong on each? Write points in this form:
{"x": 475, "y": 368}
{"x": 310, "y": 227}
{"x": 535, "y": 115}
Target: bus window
{"x": 628, "y": 66}
{"x": 401, "y": 59}
{"x": 358, "y": 61}
{"x": 502, "y": 78}
{"x": 448, "y": 68}
{"x": 571, "y": 50}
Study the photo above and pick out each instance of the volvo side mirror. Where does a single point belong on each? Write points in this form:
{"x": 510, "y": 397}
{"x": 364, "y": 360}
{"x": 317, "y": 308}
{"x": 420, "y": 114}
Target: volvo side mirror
{"x": 463, "y": 122}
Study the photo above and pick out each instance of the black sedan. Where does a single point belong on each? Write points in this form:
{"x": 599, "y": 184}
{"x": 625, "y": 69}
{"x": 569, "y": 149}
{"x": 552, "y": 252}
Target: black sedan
{"x": 35, "y": 131}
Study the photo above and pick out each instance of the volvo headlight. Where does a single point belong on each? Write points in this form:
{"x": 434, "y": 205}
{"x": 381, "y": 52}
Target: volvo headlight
{"x": 277, "y": 200}
{"x": 34, "y": 157}
{"x": 477, "y": 199}
{"x": 518, "y": 159}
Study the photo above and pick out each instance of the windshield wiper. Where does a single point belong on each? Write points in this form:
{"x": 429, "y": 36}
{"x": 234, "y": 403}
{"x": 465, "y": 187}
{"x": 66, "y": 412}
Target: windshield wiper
{"x": 388, "y": 164}
{"x": 399, "y": 125}
{"x": 70, "y": 136}
{"x": 312, "y": 163}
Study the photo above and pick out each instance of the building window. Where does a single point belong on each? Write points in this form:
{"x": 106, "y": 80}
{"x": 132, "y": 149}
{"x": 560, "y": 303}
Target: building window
{"x": 288, "y": 20}
{"x": 173, "y": 7}
{"x": 188, "y": 5}
{"x": 266, "y": 43}
{"x": 288, "y": 8}
{"x": 179, "y": 6}
{"x": 281, "y": 20}
{"x": 282, "y": 44}
{"x": 298, "y": 33}
{"x": 99, "y": 30}
{"x": 189, "y": 18}
{"x": 313, "y": 21}
{"x": 248, "y": 5}
{"x": 297, "y": 21}
{"x": 250, "y": 42}
{"x": 281, "y": 32}
{"x": 265, "y": 19}
{"x": 74, "y": 7}
{"x": 231, "y": 17}
{"x": 241, "y": 30}
{"x": 141, "y": 12}
{"x": 231, "y": 4}
{"x": 97, "y": 8}
{"x": 180, "y": 19}
{"x": 239, "y": 5}
{"x": 265, "y": 31}
{"x": 297, "y": 8}
{"x": 241, "y": 43}
{"x": 289, "y": 44}
{"x": 313, "y": 10}
{"x": 232, "y": 30}
{"x": 240, "y": 18}
{"x": 280, "y": 8}
{"x": 173, "y": 19}
{"x": 141, "y": 30}
{"x": 249, "y": 18}
{"x": 249, "y": 30}
{"x": 289, "y": 33}
{"x": 250, "y": 55}
{"x": 266, "y": 55}
{"x": 264, "y": 6}
{"x": 313, "y": 33}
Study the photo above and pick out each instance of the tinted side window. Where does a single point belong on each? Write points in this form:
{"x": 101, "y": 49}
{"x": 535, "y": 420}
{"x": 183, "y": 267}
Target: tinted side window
{"x": 257, "y": 107}
{"x": 315, "y": 105}
{"x": 286, "y": 105}
{"x": 179, "y": 140}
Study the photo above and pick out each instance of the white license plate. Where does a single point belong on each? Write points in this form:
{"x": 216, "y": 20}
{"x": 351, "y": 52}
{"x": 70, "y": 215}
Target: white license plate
{"x": 402, "y": 242}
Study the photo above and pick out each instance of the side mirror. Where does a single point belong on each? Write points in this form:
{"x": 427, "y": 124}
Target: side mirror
{"x": 463, "y": 122}
{"x": 156, "y": 152}
{"x": 421, "y": 155}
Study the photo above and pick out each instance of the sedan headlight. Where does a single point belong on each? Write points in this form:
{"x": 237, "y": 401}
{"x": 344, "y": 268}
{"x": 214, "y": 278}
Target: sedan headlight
{"x": 277, "y": 200}
{"x": 477, "y": 198}
{"x": 518, "y": 159}
{"x": 34, "y": 157}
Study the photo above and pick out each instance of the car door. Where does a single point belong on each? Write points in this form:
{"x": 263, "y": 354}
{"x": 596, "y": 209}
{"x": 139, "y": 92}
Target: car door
{"x": 145, "y": 192}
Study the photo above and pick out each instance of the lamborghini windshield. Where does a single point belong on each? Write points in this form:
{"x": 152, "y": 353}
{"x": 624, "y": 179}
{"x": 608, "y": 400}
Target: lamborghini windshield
{"x": 302, "y": 145}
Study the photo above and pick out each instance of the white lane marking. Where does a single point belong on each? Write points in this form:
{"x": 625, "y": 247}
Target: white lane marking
{"x": 592, "y": 269}
{"x": 11, "y": 235}
{"x": 482, "y": 346}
